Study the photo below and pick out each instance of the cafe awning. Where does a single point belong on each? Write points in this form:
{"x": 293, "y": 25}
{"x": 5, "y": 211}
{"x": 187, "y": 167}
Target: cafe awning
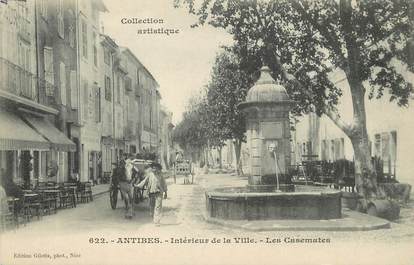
{"x": 59, "y": 141}
{"x": 15, "y": 134}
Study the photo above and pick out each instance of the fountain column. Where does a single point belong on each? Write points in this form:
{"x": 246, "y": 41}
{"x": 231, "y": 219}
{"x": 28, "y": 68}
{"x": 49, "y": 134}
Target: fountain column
{"x": 267, "y": 107}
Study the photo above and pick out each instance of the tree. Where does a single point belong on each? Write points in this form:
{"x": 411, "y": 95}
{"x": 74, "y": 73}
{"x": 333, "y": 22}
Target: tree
{"x": 190, "y": 133}
{"x": 227, "y": 88}
{"x": 196, "y": 132}
{"x": 304, "y": 41}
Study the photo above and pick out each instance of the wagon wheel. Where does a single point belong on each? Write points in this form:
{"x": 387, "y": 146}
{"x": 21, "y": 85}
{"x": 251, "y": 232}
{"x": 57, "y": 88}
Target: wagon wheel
{"x": 137, "y": 195}
{"x": 113, "y": 197}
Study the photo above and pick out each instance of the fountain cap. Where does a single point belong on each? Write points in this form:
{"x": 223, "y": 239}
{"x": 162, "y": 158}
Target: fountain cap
{"x": 266, "y": 89}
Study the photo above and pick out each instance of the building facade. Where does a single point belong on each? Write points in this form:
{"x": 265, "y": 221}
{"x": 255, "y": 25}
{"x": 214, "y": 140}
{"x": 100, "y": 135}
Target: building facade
{"x": 31, "y": 94}
{"x": 388, "y": 126}
{"x": 150, "y": 97}
{"x": 132, "y": 119}
{"x": 89, "y": 88}
{"x": 79, "y": 100}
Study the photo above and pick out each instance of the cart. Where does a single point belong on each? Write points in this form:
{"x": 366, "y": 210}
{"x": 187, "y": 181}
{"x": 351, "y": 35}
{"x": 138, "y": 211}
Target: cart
{"x": 138, "y": 194}
{"x": 184, "y": 168}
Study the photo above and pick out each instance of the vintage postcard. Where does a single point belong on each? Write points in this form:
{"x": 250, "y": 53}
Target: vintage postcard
{"x": 206, "y": 132}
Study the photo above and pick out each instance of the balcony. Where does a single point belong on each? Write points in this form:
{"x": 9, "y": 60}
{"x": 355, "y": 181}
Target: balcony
{"x": 16, "y": 80}
{"x": 47, "y": 93}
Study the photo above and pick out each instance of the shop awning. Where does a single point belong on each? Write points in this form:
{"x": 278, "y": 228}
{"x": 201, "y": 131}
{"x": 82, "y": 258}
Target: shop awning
{"x": 59, "y": 141}
{"x": 15, "y": 134}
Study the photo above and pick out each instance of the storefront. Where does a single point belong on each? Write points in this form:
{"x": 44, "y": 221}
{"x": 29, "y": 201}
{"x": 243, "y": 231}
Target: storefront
{"x": 31, "y": 149}
{"x": 18, "y": 143}
{"x": 60, "y": 148}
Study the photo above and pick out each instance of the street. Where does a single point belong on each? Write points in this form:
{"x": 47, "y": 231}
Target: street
{"x": 183, "y": 214}
{"x": 94, "y": 226}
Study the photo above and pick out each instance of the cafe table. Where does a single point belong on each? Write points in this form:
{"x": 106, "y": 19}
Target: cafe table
{"x": 51, "y": 193}
{"x": 12, "y": 202}
{"x": 73, "y": 190}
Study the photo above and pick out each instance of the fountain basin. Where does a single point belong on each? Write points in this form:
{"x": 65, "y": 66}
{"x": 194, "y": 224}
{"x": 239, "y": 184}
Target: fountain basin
{"x": 306, "y": 202}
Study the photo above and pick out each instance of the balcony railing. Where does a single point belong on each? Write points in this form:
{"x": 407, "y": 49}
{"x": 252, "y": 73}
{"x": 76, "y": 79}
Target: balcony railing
{"x": 16, "y": 80}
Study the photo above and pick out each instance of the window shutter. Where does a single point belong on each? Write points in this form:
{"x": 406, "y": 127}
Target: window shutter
{"x": 85, "y": 100}
{"x": 73, "y": 90}
{"x": 98, "y": 104}
{"x": 63, "y": 83}
{"x": 48, "y": 68}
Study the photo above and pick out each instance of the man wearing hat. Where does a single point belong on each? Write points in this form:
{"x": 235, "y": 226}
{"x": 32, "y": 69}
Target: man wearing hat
{"x": 157, "y": 188}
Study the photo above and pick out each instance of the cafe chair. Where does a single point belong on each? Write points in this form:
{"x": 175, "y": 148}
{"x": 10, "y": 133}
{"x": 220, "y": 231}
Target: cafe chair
{"x": 66, "y": 198}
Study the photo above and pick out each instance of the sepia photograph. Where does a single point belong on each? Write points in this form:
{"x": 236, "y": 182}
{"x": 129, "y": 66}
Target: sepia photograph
{"x": 211, "y": 132}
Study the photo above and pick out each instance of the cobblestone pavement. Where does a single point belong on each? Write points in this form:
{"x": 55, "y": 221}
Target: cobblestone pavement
{"x": 72, "y": 229}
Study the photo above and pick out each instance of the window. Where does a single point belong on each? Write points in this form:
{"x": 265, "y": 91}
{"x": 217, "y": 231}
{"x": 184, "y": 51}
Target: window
{"x": 84, "y": 40}
{"x": 126, "y": 115}
{"x": 325, "y": 150}
{"x": 385, "y": 147}
{"x": 59, "y": 14}
{"x": 63, "y": 83}
{"x": 95, "y": 50}
{"x": 108, "y": 92}
{"x": 118, "y": 88}
{"x": 107, "y": 56}
{"x": 138, "y": 77}
{"x": 73, "y": 90}
{"x": 128, "y": 83}
{"x": 85, "y": 100}
{"x": 48, "y": 68}
{"x": 71, "y": 36}
{"x": 43, "y": 8}
{"x": 71, "y": 28}
{"x": 97, "y": 104}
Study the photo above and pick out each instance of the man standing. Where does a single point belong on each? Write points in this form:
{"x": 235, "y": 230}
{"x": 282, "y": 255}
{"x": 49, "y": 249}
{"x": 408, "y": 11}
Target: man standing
{"x": 157, "y": 188}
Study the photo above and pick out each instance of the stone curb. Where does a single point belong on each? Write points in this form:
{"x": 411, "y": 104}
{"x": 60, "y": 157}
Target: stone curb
{"x": 250, "y": 225}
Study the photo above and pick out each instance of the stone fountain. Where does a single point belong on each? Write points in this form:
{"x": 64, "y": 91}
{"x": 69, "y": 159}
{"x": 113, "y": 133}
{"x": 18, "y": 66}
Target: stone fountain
{"x": 269, "y": 194}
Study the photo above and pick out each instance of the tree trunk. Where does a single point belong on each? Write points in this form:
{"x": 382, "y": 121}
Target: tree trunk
{"x": 237, "y": 150}
{"x": 220, "y": 157}
{"x": 365, "y": 177}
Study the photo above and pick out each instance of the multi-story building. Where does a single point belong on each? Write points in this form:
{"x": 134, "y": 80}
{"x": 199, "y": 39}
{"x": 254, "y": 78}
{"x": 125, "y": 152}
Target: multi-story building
{"x": 132, "y": 119}
{"x": 30, "y": 95}
{"x": 388, "y": 131}
{"x": 108, "y": 52}
{"x": 79, "y": 100}
{"x": 56, "y": 71}
{"x": 120, "y": 72}
{"x": 89, "y": 87}
{"x": 150, "y": 97}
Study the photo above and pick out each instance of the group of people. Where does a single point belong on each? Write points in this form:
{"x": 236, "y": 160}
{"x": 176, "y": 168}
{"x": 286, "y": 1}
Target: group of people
{"x": 128, "y": 175}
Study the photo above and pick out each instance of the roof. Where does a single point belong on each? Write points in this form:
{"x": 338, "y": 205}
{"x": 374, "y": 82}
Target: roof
{"x": 128, "y": 51}
{"x": 100, "y": 5}
{"x": 266, "y": 89}
{"x": 109, "y": 41}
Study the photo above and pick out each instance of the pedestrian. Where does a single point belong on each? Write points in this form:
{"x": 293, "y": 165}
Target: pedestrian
{"x": 157, "y": 189}
{"x": 125, "y": 186}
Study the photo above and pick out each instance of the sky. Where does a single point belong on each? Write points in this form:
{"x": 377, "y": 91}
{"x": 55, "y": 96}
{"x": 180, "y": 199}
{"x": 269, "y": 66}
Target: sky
{"x": 181, "y": 63}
